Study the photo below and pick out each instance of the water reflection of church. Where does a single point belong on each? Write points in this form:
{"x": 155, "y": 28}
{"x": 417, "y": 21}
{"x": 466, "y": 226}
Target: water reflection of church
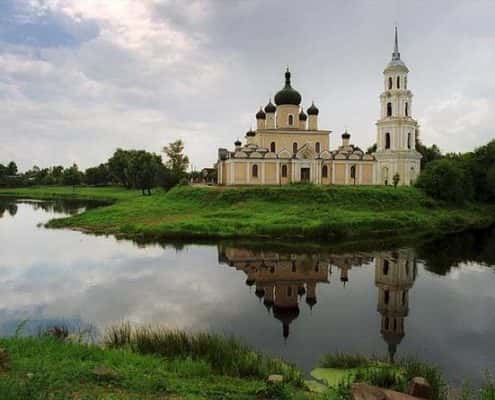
{"x": 281, "y": 280}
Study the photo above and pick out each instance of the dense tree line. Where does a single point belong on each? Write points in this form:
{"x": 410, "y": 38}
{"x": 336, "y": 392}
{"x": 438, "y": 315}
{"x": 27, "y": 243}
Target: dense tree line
{"x": 133, "y": 169}
{"x": 461, "y": 177}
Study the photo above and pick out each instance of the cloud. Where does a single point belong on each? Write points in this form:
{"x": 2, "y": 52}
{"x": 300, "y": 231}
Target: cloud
{"x": 81, "y": 78}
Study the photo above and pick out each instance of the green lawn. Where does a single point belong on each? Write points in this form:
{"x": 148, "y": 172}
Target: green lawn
{"x": 293, "y": 211}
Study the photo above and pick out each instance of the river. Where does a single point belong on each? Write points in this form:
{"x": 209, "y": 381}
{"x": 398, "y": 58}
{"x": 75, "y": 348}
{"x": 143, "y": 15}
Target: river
{"x": 432, "y": 300}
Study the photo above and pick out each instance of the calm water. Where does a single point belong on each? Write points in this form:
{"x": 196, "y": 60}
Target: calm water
{"x": 435, "y": 301}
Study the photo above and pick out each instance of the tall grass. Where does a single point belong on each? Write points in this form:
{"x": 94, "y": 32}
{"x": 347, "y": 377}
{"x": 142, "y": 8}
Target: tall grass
{"x": 346, "y": 361}
{"x": 226, "y": 355}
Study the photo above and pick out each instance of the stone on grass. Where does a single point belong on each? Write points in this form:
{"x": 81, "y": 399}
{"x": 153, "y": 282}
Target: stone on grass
{"x": 420, "y": 387}
{"x": 104, "y": 373}
{"x": 363, "y": 391}
{"x": 275, "y": 379}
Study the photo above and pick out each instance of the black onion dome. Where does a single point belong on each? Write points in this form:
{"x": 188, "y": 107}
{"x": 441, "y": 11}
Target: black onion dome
{"x": 237, "y": 142}
{"x": 250, "y": 282}
{"x": 313, "y": 110}
{"x": 311, "y": 301}
{"x": 250, "y": 133}
{"x": 346, "y": 135}
{"x": 302, "y": 115}
{"x": 287, "y": 95}
{"x": 270, "y": 108}
{"x": 260, "y": 114}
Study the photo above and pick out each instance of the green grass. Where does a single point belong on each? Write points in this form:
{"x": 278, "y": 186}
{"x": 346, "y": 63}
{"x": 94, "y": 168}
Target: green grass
{"x": 288, "y": 212}
{"x": 46, "y": 367}
{"x": 227, "y": 356}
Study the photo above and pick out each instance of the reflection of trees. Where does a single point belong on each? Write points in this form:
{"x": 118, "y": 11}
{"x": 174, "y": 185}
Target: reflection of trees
{"x": 440, "y": 255}
{"x": 8, "y": 206}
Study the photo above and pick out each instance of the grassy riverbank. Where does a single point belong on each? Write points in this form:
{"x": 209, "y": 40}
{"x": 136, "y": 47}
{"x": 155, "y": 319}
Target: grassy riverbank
{"x": 294, "y": 211}
{"x": 50, "y": 368}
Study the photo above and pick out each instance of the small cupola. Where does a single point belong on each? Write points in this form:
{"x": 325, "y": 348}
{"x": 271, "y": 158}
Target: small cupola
{"x": 346, "y": 136}
{"x": 302, "y": 115}
{"x": 313, "y": 110}
{"x": 237, "y": 144}
{"x": 260, "y": 114}
{"x": 250, "y": 133}
{"x": 270, "y": 107}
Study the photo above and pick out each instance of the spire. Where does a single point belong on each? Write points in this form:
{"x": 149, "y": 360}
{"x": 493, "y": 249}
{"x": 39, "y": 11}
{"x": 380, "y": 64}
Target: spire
{"x": 287, "y": 78}
{"x": 396, "y": 54}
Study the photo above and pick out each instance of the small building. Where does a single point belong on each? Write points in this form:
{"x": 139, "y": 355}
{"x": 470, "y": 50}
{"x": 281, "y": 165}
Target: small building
{"x": 288, "y": 146}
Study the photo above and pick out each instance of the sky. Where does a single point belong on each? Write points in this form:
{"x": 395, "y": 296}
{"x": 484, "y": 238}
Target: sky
{"x": 80, "y": 78}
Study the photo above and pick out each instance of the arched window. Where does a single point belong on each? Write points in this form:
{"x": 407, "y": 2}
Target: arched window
{"x": 317, "y": 147}
{"x": 389, "y": 109}
{"x": 387, "y": 140}
{"x": 409, "y": 140}
{"x": 284, "y": 171}
{"x": 294, "y": 147}
{"x": 398, "y": 82}
{"x": 272, "y": 147}
{"x": 255, "y": 171}
{"x": 294, "y": 267}
{"x": 291, "y": 119}
{"x": 389, "y": 83}
{"x": 324, "y": 172}
{"x": 386, "y": 296}
{"x": 386, "y": 266}
{"x": 407, "y": 110}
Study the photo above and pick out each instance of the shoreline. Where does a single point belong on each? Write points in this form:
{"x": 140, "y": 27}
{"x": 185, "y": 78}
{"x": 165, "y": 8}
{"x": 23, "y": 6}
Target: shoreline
{"x": 296, "y": 213}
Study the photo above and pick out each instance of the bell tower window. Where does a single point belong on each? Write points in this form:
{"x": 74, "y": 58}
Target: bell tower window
{"x": 389, "y": 83}
{"x": 291, "y": 120}
{"x": 317, "y": 147}
{"x": 409, "y": 140}
{"x": 387, "y": 140}
{"x": 407, "y": 109}
{"x": 398, "y": 82}
{"x": 389, "y": 109}
{"x": 272, "y": 147}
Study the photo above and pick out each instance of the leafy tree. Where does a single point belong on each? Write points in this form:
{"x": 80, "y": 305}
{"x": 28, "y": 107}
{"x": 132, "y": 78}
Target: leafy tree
{"x": 177, "y": 161}
{"x": 118, "y": 167}
{"x": 99, "y": 175}
{"x": 429, "y": 154}
{"x": 12, "y": 168}
{"x": 3, "y": 170}
{"x": 446, "y": 180}
{"x": 72, "y": 176}
{"x": 144, "y": 168}
{"x": 166, "y": 178}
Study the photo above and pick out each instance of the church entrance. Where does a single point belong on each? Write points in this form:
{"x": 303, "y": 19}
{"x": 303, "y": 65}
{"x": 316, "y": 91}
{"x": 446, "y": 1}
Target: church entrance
{"x": 305, "y": 174}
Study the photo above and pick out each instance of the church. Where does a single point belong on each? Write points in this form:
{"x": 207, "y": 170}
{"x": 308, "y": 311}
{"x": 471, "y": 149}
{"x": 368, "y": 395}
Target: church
{"x": 288, "y": 146}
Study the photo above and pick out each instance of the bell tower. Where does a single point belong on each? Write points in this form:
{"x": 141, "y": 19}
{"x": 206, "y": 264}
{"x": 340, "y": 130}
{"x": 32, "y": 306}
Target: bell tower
{"x": 396, "y": 129}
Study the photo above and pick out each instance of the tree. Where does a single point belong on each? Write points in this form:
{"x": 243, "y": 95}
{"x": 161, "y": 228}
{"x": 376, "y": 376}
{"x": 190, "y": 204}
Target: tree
{"x": 177, "y": 161}
{"x": 118, "y": 167}
{"x": 144, "y": 168}
{"x": 12, "y": 168}
{"x": 97, "y": 175}
{"x": 396, "y": 179}
{"x": 72, "y": 176}
{"x": 372, "y": 149}
{"x": 446, "y": 180}
{"x": 429, "y": 153}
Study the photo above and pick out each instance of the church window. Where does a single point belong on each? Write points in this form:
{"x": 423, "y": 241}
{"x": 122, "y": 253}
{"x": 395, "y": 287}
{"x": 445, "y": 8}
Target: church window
{"x": 407, "y": 110}
{"x": 387, "y": 140}
{"x": 255, "y": 171}
{"x": 272, "y": 147}
{"x": 389, "y": 83}
{"x": 389, "y": 109}
{"x": 324, "y": 172}
{"x": 289, "y": 291}
{"x": 387, "y": 323}
{"x": 409, "y": 140}
{"x": 407, "y": 268}
{"x": 291, "y": 120}
{"x": 353, "y": 173}
{"x": 386, "y": 296}
{"x": 294, "y": 147}
{"x": 317, "y": 268}
{"x": 398, "y": 82}
{"x": 395, "y": 324}
{"x": 405, "y": 82}
{"x": 284, "y": 171}
{"x": 317, "y": 147}
{"x": 386, "y": 266}
{"x": 403, "y": 298}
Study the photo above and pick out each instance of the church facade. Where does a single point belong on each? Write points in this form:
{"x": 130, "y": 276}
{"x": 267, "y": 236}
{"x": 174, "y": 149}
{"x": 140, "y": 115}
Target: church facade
{"x": 288, "y": 146}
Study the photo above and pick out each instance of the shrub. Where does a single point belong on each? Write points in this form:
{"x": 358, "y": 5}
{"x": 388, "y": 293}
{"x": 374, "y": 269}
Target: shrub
{"x": 446, "y": 180}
